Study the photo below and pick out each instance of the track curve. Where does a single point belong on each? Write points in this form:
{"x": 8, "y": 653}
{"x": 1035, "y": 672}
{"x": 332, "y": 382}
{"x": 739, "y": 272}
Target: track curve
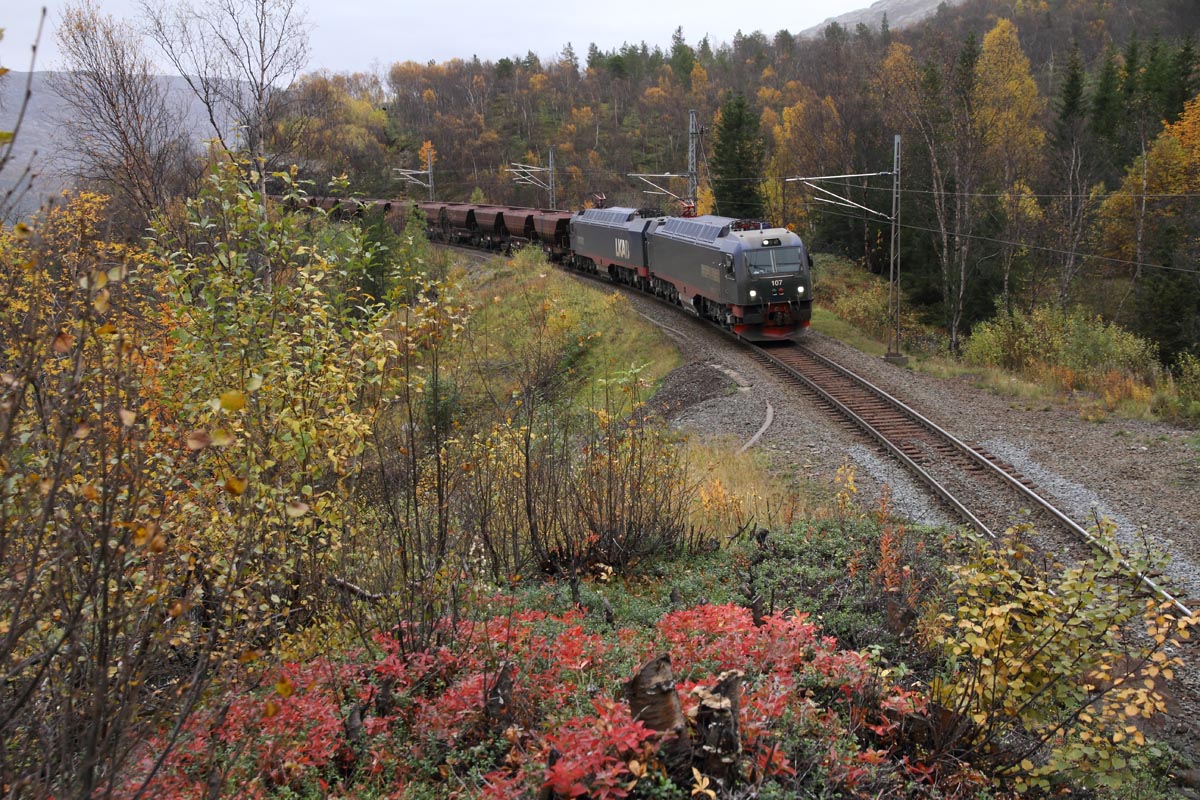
{"x": 971, "y": 481}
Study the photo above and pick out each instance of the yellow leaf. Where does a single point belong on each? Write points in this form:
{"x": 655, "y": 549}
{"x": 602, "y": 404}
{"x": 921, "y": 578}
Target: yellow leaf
{"x": 235, "y": 485}
{"x": 101, "y": 301}
{"x": 91, "y": 493}
{"x": 222, "y": 438}
{"x": 284, "y": 688}
{"x": 233, "y": 400}
{"x": 255, "y": 383}
{"x": 271, "y": 710}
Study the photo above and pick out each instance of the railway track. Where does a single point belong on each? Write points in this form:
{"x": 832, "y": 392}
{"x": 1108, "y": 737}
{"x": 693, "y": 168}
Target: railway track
{"x": 983, "y": 490}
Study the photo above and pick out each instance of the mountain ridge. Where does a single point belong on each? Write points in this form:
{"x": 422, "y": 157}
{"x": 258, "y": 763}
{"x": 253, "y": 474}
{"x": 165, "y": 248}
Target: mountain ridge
{"x": 900, "y": 14}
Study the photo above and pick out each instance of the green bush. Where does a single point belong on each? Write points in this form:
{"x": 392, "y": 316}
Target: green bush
{"x": 1071, "y": 350}
{"x": 865, "y": 307}
{"x": 1047, "y": 677}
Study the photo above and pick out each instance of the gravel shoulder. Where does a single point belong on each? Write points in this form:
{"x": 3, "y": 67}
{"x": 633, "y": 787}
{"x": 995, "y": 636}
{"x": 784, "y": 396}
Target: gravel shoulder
{"x": 1144, "y": 476}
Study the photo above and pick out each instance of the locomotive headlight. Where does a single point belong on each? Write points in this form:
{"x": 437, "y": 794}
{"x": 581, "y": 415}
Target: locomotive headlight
{"x": 800, "y": 289}
{"x": 753, "y": 293}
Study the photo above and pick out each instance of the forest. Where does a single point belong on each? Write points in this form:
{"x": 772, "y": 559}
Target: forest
{"x": 1046, "y": 151}
{"x": 1048, "y": 147}
{"x": 296, "y": 505}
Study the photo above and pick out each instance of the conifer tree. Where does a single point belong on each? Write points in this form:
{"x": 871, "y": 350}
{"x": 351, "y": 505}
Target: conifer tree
{"x": 1186, "y": 62}
{"x": 1106, "y": 99}
{"x": 1072, "y": 102}
{"x": 737, "y": 161}
{"x": 682, "y": 58}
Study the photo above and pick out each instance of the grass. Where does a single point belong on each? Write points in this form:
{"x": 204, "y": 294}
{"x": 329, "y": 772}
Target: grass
{"x": 827, "y": 323}
{"x": 853, "y": 307}
{"x": 527, "y": 311}
{"x": 742, "y": 491}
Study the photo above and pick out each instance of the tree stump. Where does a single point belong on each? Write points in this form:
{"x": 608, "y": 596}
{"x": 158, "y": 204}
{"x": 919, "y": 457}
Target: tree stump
{"x": 717, "y": 726}
{"x": 653, "y": 700}
{"x": 497, "y": 711}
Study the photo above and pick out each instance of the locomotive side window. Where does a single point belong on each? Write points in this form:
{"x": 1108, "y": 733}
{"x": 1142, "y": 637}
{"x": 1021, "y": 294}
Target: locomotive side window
{"x": 767, "y": 262}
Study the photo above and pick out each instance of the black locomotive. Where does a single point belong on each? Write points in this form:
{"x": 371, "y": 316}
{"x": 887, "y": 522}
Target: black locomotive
{"x": 741, "y": 274}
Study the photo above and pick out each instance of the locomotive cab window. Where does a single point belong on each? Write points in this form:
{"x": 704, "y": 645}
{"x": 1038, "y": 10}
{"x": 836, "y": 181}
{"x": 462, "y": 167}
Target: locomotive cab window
{"x": 766, "y": 262}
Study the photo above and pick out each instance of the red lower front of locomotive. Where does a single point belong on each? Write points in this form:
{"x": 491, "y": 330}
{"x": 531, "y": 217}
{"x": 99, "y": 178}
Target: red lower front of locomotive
{"x": 772, "y": 322}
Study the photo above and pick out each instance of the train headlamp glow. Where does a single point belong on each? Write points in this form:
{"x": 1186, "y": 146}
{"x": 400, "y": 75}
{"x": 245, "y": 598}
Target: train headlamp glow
{"x": 753, "y": 293}
{"x": 800, "y": 289}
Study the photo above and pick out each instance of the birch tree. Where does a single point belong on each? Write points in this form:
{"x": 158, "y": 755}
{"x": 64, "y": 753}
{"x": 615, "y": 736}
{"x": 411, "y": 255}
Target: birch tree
{"x": 239, "y": 57}
{"x": 126, "y": 133}
{"x": 1006, "y": 120}
{"x": 936, "y": 104}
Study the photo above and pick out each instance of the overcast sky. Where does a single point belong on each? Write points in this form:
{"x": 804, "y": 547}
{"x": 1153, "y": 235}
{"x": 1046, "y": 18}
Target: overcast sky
{"x": 360, "y": 35}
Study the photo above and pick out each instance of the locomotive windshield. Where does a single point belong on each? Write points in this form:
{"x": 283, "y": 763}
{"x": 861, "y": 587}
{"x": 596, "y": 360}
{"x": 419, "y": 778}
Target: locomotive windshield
{"x": 775, "y": 260}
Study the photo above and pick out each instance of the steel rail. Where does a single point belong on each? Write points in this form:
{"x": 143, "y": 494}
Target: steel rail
{"x": 877, "y": 435}
{"x": 962, "y": 447}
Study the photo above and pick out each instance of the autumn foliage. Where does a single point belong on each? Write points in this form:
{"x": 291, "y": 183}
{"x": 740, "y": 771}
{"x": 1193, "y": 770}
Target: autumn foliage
{"x": 269, "y": 532}
{"x": 812, "y": 715}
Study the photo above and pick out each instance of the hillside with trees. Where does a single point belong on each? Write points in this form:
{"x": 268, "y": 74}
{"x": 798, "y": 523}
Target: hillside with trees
{"x": 1019, "y": 124}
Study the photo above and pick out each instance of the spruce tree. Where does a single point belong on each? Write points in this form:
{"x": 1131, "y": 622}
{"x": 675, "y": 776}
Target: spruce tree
{"x": 1071, "y": 102}
{"x": 1106, "y": 100}
{"x": 1183, "y": 85}
{"x": 737, "y": 161}
{"x": 682, "y": 59}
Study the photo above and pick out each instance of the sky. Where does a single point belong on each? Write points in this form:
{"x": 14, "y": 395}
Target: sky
{"x": 370, "y": 35}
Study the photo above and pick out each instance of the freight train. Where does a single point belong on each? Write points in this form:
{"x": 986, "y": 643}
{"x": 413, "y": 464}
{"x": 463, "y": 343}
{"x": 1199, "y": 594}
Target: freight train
{"x": 743, "y": 275}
